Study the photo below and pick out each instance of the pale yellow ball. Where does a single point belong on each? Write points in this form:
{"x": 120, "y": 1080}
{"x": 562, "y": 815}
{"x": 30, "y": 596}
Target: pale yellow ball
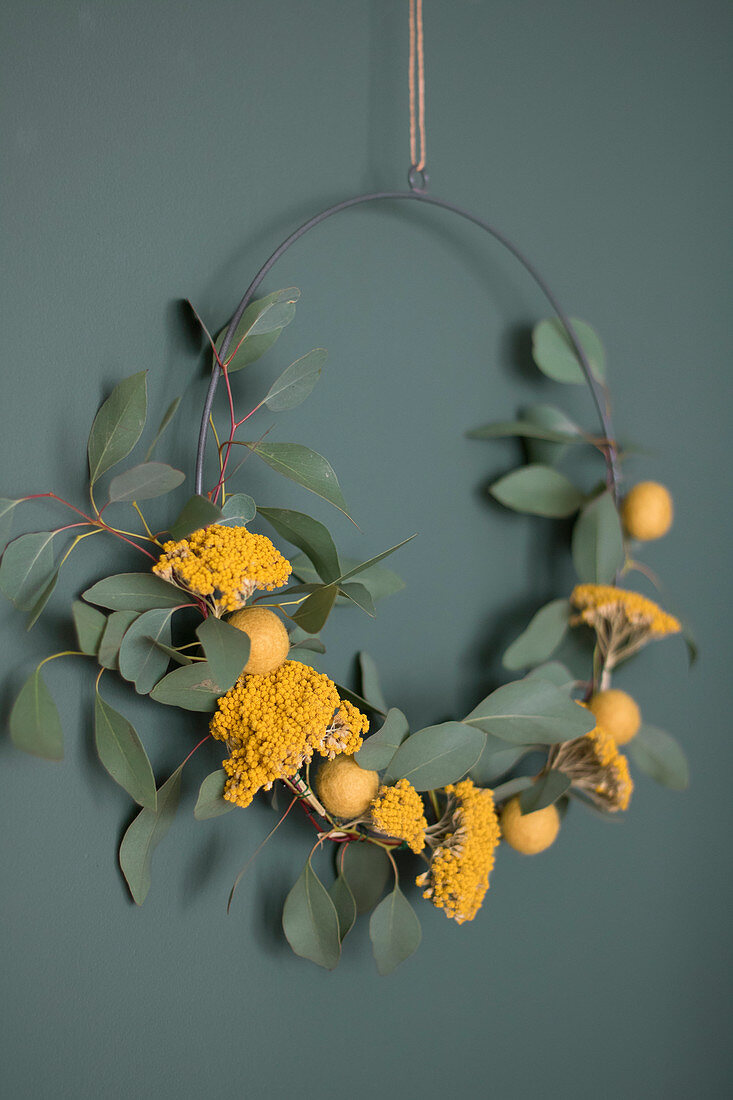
{"x": 617, "y": 713}
{"x": 344, "y": 788}
{"x": 647, "y": 511}
{"x": 268, "y": 639}
{"x": 529, "y": 833}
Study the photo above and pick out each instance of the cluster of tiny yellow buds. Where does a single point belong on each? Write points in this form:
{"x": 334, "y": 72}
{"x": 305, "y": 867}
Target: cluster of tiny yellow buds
{"x": 224, "y": 565}
{"x": 605, "y": 601}
{"x": 398, "y": 811}
{"x": 458, "y": 876}
{"x": 273, "y": 724}
{"x": 594, "y": 765}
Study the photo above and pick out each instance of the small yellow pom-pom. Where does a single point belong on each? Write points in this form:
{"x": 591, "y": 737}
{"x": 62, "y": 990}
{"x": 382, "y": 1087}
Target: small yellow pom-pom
{"x": 344, "y": 788}
{"x": 617, "y": 713}
{"x": 269, "y": 641}
{"x": 529, "y": 833}
{"x": 647, "y": 511}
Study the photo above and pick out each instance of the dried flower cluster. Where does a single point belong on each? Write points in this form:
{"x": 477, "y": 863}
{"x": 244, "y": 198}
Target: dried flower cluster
{"x": 398, "y": 811}
{"x": 458, "y": 876}
{"x": 223, "y": 565}
{"x": 273, "y": 724}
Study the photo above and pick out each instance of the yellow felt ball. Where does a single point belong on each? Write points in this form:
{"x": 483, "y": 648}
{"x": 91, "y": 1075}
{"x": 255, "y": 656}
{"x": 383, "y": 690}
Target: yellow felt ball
{"x": 344, "y": 788}
{"x": 647, "y": 511}
{"x": 617, "y": 713}
{"x": 529, "y": 833}
{"x": 268, "y": 638}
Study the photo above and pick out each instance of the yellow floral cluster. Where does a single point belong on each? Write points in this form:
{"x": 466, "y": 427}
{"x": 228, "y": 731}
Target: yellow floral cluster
{"x": 224, "y": 565}
{"x": 273, "y": 724}
{"x": 595, "y": 766}
{"x": 458, "y": 876}
{"x": 398, "y": 811}
{"x": 606, "y": 601}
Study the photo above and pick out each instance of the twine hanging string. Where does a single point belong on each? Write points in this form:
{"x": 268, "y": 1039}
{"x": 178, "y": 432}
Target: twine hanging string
{"x": 416, "y": 80}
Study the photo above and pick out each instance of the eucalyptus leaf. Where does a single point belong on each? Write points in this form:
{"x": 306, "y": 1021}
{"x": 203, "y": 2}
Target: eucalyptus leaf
{"x": 370, "y": 686}
{"x": 211, "y": 801}
{"x": 305, "y": 467}
{"x": 555, "y": 355}
{"x": 134, "y": 592}
{"x": 308, "y": 535}
{"x": 118, "y": 425}
{"x": 144, "y": 482}
{"x": 358, "y": 594}
{"x": 598, "y": 541}
{"x": 310, "y": 921}
{"x": 531, "y": 711}
{"x": 170, "y": 412}
{"x": 436, "y": 755}
{"x": 538, "y": 490}
{"x": 312, "y": 614}
{"x": 42, "y": 599}
{"x": 544, "y": 792}
{"x": 363, "y": 566}
{"x": 90, "y": 625}
{"x": 527, "y": 429}
{"x": 192, "y": 687}
{"x": 379, "y": 580}
{"x": 7, "y": 509}
{"x": 144, "y": 835}
{"x": 109, "y": 646}
{"x": 239, "y": 507}
{"x": 394, "y": 931}
{"x": 358, "y": 700}
{"x": 543, "y": 635}
{"x": 296, "y": 381}
{"x": 35, "y": 726}
{"x": 226, "y": 648}
{"x": 122, "y": 754}
{"x": 300, "y": 640}
{"x": 550, "y": 419}
{"x": 198, "y": 512}
{"x": 141, "y": 659}
{"x": 27, "y": 568}
{"x": 174, "y": 654}
{"x": 366, "y": 868}
{"x": 377, "y": 751}
{"x": 555, "y": 673}
{"x": 259, "y": 328}
{"x": 496, "y": 759}
{"x": 660, "y": 756}
{"x": 344, "y": 904}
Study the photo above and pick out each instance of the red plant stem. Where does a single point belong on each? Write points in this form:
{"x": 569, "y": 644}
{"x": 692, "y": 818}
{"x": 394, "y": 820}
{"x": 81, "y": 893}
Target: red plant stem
{"x": 99, "y": 522}
{"x": 232, "y": 430}
{"x": 193, "y": 750}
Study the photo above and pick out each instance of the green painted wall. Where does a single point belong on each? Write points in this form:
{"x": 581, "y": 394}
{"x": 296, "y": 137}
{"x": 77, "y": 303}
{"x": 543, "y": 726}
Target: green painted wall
{"x": 154, "y": 151}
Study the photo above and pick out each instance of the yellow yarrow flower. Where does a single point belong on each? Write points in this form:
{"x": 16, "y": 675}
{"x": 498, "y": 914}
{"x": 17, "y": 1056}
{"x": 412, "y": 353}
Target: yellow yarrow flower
{"x": 273, "y": 724}
{"x": 595, "y": 766}
{"x": 224, "y": 565}
{"x": 623, "y": 621}
{"x": 458, "y": 876}
{"x": 398, "y": 811}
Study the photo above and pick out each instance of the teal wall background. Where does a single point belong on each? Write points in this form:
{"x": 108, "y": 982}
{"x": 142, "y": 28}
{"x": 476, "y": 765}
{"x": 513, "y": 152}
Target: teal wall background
{"x": 154, "y": 151}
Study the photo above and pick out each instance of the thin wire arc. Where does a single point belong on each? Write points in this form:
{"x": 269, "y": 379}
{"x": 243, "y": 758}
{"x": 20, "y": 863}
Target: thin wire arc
{"x": 598, "y": 392}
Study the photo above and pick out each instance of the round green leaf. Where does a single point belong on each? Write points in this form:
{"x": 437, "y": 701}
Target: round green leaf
{"x": 34, "y": 721}
{"x": 436, "y": 755}
{"x": 239, "y": 507}
{"x": 141, "y": 659}
{"x": 660, "y": 756}
{"x": 134, "y": 592}
{"x": 554, "y": 354}
{"x": 192, "y": 687}
{"x": 546, "y": 630}
{"x": 310, "y": 921}
{"x": 378, "y": 750}
{"x": 366, "y": 868}
{"x": 211, "y": 801}
{"x": 122, "y": 754}
{"x": 531, "y": 711}
{"x": 145, "y": 482}
{"x": 198, "y": 512}
{"x": 144, "y": 835}
{"x": 27, "y": 568}
{"x": 394, "y": 931}
{"x": 118, "y": 425}
{"x": 538, "y": 490}
{"x": 598, "y": 541}
{"x": 226, "y": 649}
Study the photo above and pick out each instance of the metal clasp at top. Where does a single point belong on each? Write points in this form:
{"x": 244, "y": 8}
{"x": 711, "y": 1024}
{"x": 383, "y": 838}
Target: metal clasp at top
{"x": 418, "y": 179}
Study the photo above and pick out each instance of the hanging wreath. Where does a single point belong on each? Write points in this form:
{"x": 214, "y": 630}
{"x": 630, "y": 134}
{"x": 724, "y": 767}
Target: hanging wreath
{"x": 240, "y": 621}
